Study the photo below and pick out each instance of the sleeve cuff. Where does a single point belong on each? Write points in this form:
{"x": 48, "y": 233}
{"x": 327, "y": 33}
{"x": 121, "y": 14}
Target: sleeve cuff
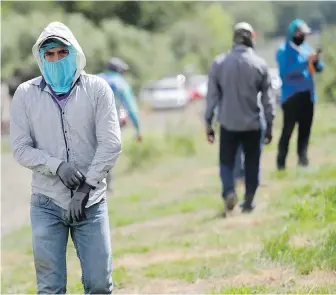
{"x": 92, "y": 183}
{"x": 53, "y": 164}
{"x": 208, "y": 121}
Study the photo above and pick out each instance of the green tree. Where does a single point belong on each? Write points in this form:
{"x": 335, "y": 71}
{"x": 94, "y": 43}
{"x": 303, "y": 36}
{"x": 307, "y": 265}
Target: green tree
{"x": 263, "y": 19}
{"x": 199, "y": 39}
{"x": 326, "y": 82}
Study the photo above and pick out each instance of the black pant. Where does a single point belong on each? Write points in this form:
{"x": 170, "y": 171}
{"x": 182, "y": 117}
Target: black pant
{"x": 229, "y": 142}
{"x": 299, "y": 108}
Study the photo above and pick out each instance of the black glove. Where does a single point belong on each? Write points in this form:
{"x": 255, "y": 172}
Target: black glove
{"x": 78, "y": 202}
{"x": 268, "y": 135}
{"x": 70, "y": 176}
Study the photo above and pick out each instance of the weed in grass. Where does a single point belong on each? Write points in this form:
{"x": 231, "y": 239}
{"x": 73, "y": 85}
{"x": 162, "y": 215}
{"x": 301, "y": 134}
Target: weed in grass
{"x": 193, "y": 269}
{"x": 135, "y": 249}
{"x": 139, "y": 155}
{"x": 181, "y": 143}
{"x": 190, "y": 204}
{"x": 327, "y": 251}
{"x": 188, "y": 270}
{"x": 120, "y": 276}
{"x": 277, "y": 248}
{"x": 240, "y": 290}
{"x": 315, "y": 205}
{"x": 320, "y": 255}
{"x": 312, "y": 290}
{"x": 77, "y": 288}
{"x": 155, "y": 148}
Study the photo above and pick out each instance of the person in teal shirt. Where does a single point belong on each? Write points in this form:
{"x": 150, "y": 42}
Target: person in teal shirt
{"x": 124, "y": 96}
{"x": 123, "y": 93}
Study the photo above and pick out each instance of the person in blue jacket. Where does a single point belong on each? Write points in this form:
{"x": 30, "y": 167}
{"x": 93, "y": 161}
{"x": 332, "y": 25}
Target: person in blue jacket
{"x": 123, "y": 93}
{"x": 124, "y": 96}
{"x": 297, "y": 62}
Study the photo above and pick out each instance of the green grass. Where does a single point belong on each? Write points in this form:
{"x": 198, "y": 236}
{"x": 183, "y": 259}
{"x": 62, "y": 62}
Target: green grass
{"x": 168, "y": 236}
{"x": 315, "y": 208}
{"x": 183, "y": 205}
{"x": 240, "y": 290}
{"x": 316, "y": 255}
{"x": 255, "y": 289}
{"x": 174, "y": 142}
{"x": 5, "y": 146}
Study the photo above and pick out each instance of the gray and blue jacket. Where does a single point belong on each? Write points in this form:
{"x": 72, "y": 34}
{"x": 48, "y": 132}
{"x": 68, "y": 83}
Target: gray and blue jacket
{"x": 84, "y": 131}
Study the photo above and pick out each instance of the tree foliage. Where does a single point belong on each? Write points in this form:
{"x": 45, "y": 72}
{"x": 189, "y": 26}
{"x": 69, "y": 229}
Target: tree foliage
{"x": 327, "y": 80}
{"x": 155, "y": 37}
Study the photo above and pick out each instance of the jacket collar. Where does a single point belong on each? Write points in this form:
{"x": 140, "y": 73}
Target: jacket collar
{"x": 41, "y": 83}
{"x": 241, "y": 48}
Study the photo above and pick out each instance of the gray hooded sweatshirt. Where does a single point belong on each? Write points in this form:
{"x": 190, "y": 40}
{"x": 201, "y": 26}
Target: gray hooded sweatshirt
{"x": 85, "y": 132}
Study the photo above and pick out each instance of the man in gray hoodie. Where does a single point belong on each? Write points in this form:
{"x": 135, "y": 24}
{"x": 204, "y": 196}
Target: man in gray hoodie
{"x": 235, "y": 80}
{"x": 65, "y": 128}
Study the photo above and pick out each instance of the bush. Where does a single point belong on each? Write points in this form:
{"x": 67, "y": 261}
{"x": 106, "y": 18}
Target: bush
{"x": 147, "y": 53}
{"x": 142, "y": 154}
{"x": 181, "y": 143}
{"x": 326, "y": 81}
{"x": 16, "y": 47}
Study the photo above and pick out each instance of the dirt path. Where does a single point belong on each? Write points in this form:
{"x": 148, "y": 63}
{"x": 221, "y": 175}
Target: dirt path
{"x": 15, "y": 194}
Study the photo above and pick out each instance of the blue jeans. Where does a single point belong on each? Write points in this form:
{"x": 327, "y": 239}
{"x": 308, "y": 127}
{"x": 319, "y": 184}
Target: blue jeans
{"x": 91, "y": 237}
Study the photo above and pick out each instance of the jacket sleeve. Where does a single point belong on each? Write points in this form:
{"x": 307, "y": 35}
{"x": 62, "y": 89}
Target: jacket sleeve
{"x": 267, "y": 99}
{"x": 22, "y": 143}
{"x": 107, "y": 134}
{"x": 213, "y": 94}
{"x": 130, "y": 104}
{"x": 287, "y": 67}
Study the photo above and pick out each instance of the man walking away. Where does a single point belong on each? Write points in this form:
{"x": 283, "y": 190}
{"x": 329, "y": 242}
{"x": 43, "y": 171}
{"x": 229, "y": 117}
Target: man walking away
{"x": 64, "y": 127}
{"x": 297, "y": 63}
{"x": 234, "y": 83}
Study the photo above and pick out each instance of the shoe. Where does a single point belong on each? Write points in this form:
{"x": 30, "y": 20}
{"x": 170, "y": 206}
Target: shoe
{"x": 280, "y": 163}
{"x": 230, "y": 203}
{"x": 281, "y": 167}
{"x": 303, "y": 162}
{"x": 247, "y": 208}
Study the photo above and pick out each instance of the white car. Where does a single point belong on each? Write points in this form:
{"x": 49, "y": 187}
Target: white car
{"x": 168, "y": 92}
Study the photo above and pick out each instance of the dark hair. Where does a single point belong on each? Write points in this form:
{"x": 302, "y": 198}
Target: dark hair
{"x": 243, "y": 37}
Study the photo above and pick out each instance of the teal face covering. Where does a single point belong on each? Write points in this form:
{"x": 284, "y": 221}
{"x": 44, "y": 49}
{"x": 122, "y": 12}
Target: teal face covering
{"x": 60, "y": 74}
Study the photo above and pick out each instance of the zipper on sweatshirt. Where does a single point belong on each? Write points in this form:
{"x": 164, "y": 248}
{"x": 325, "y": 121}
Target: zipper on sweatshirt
{"x": 63, "y": 132}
